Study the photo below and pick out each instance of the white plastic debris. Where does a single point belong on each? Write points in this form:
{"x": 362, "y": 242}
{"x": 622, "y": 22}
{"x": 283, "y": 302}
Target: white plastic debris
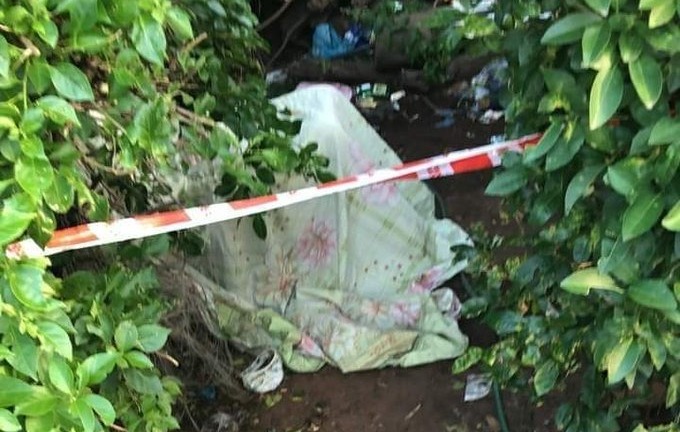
{"x": 265, "y": 373}
{"x": 276, "y": 76}
{"x": 491, "y": 116}
{"x": 447, "y": 302}
{"x": 477, "y": 387}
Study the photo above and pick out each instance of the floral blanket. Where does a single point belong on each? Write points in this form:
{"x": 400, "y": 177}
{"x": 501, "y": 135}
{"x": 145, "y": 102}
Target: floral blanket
{"x": 347, "y": 280}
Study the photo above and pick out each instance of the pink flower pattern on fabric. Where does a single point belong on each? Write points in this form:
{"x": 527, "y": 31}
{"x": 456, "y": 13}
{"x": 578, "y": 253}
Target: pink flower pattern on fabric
{"x": 405, "y": 314}
{"x": 317, "y": 244}
{"x": 427, "y": 281}
{"x": 381, "y": 193}
{"x": 309, "y": 347}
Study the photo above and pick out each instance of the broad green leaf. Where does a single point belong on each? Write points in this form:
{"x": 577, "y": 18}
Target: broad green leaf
{"x": 640, "y": 141}
{"x": 654, "y": 294}
{"x": 61, "y": 375}
{"x": 8, "y": 421}
{"x": 13, "y": 390}
{"x": 143, "y": 383}
{"x": 673, "y": 391}
{"x": 83, "y": 13}
{"x": 665, "y": 131}
{"x": 647, "y": 79}
{"x": 605, "y": 96}
{"x": 623, "y": 176}
{"x": 579, "y": 186}
{"x": 70, "y": 82}
{"x": 138, "y": 360}
{"x": 600, "y": 6}
{"x": 569, "y": 29}
{"x": 657, "y": 351}
{"x": 547, "y": 142}
{"x": 40, "y": 402}
{"x": 32, "y": 147}
{"x": 582, "y": 281}
{"x": 48, "y": 32}
{"x": 58, "y": 110}
{"x": 56, "y": 338}
{"x": 152, "y": 337}
{"x": 667, "y": 165}
{"x": 649, "y": 4}
{"x": 594, "y": 42}
{"x": 102, "y": 407}
{"x": 471, "y": 357}
{"x": 623, "y": 359}
{"x": 565, "y": 150}
{"x": 91, "y": 42}
{"x": 34, "y": 175}
{"x": 662, "y": 13}
{"x": 672, "y": 220}
{"x": 96, "y": 368}
{"x": 24, "y": 357}
{"x": 545, "y": 377}
{"x": 180, "y": 22}
{"x": 642, "y": 214}
{"x": 26, "y": 282}
{"x": 13, "y": 223}
{"x": 125, "y": 336}
{"x": 507, "y": 182}
{"x": 630, "y": 46}
{"x": 60, "y": 195}
{"x": 149, "y": 39}
{"x": 85, "y": 413}
{"x": 4, "y": 57}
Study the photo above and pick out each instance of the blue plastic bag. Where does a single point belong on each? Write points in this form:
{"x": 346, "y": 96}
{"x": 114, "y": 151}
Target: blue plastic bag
{"x": 327, "y": 43}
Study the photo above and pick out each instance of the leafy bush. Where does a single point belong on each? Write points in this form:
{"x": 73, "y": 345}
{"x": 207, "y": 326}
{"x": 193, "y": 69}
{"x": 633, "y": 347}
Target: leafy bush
{"x": 599, "y": 288}
{"x": 101, "y": 103}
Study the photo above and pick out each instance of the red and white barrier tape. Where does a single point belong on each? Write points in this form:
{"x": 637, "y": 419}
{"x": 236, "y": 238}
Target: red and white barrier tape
{"x": 103, "y": 233}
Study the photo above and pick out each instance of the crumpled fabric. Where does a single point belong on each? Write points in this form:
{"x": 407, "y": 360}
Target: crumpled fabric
{"x": 346, "y": 280}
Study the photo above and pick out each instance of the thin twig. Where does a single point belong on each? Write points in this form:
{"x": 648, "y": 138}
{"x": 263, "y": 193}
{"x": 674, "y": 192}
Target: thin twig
{"x": 275, "y": 16}
{"x": 192, "y": 44}
{"x": 94, "y": 163}
{"x": 169, "y": 358}
{"x": 118, "y": 428}
{"x": 207, "y": 121}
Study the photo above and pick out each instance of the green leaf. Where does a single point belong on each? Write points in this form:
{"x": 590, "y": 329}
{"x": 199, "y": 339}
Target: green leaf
{"x": 138, "y": 360}
{"x": 60, "y": 195}
{"x": 85, "y": 414}
{"x": 13, "y": 223}
{"x": 13, "y": 390}
{"x": 579, "y": 186}
{"x": 654, "y": 294}
{"x": 180, "y": 22}
{"x": 142, "y": 382}
{"x": 58, "y": 110}
{"x": 96, "y": 368}
{"x": 665, "y": 131}
{"x": 56, "y": 338}
{"x": 70, "y": 82}
{"x": 662, "y": 13}
{"x": 630, "y": 46}
{"x": 623, "y": 176}
{"x": 547, "y": 142}
{"x": 152, "y": 337}
{"x": 569, "y": 29}
{"x": 642, "y": 214}
{"x": 471, "y": 357}
{"x": 26, "y": 283}
{"x": 8, "y": 421}
{"x": 4, "y": 57}
{"x": 673, "y": 391}
{"x": 595, "y": 42}
{"x": 507, "y": 182}
{"x": 657, "y": 351}
{"x": 32, "y": 121}
{"x": 599, "y": 6}
{"x": 102, "y": 407}
{"x": 672, "y": 220}
{"x": 565, "y": 150}
{"x": 622, "y": 360}
{"x": 605, "y": 96}
{"x": 582, "y": 281}
{"x": 149, "y": 39}
{"x": 40, "y": 402}
{"x": 647, "y": 79}
{"x": 125, "y": 336}
{"x": 61, "y": 375}
{"x": 260, "y": 227}
{"x": 545, "y": 377}
{"x": 34, "y": 175}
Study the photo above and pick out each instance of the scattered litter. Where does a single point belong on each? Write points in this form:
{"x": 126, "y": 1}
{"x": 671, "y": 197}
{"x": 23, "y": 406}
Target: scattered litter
{"x": 491, "y": 116}
{"x": 447, "y": 119}
{"x": 413, "y": 412}
{"x": 368, "y": 96}
{"x": 447, "y": 302}
{"x": 478, "y": 386}
{"x": 208, "y": 393}
{"x": 276, "y": 77}
{"x": 397, "y": 6}
{"x": 265, "y": 373}
{"x": 221, "y": 422}
{"x": 328, "y": 44}
{"x": 395, "y": 98}
{"x": 497, "y": 139}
